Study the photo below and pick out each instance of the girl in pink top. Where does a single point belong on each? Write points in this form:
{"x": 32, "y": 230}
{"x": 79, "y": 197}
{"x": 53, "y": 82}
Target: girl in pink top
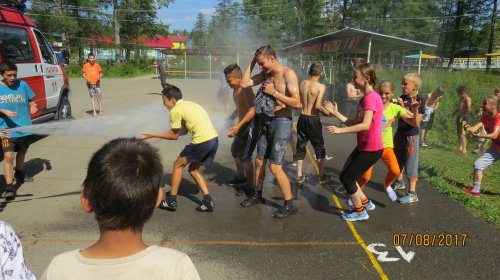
{"x": 368, "y": 125}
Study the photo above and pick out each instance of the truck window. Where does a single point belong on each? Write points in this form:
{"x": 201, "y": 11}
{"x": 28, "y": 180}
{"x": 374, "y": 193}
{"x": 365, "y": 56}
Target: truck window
{"x": 47, "y": 52}
{"x": 15, "y": 45}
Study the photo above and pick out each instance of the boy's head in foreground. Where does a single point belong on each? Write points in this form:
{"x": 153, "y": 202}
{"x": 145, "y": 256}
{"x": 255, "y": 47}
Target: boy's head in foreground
{"x": 170, "y": 95}
{"x": 122, "y": 186}
{"x": 411, "y": 83}
{"x": 233, "y": 75}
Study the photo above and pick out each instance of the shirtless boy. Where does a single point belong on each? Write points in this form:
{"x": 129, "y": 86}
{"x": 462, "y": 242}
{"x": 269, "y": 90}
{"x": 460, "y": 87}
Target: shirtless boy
{"x": 309, "y": 126}
{"x": 243, "y": 98}
{"x": 274, "y": 104}
{"x": 431, "y": 105}
{"x": 463, "y": 108}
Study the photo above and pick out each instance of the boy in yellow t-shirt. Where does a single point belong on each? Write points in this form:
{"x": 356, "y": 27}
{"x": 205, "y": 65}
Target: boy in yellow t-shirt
{"x": 187, "y": 116}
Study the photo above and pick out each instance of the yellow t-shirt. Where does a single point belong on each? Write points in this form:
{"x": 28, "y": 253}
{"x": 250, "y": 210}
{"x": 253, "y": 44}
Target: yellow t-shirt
{"x": 196, "y": 120}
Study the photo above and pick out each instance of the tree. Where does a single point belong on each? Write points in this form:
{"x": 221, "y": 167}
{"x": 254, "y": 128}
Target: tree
{"x": 134, "y": 18}
{"x": 200, "y": 31}
{"x": 492, "y": 34}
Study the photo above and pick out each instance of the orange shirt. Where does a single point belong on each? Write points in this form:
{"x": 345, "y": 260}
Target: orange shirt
{"x": 92, "y": 72}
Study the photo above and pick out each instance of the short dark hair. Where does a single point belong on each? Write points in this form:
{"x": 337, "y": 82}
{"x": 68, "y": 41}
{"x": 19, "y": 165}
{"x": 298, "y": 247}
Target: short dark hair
{"x": 232, "y": 70}
{"x": 315, "y": 69}
{"x": 7, "y": 66}
{"x": 91, "y": 54}
{"x": 122, "y": 183}
{"x": 172, "y": 91}
{"x": 461, "y": 89}
{"x": 266, "y": 51}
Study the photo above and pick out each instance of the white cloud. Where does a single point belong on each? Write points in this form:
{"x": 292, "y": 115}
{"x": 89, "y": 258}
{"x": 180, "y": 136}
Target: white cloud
{"x": 207, "y": 11}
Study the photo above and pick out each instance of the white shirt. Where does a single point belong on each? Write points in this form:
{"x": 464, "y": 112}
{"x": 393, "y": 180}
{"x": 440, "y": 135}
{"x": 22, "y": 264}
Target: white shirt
{"x": 153, "y": 262}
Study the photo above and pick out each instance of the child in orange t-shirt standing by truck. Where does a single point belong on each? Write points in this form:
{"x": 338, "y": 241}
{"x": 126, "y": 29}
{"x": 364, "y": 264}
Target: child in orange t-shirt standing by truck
{"x": 92, "y": 72}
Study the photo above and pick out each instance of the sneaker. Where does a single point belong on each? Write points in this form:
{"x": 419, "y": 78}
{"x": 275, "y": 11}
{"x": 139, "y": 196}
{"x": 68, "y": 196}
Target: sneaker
{"x": 255, "y": 198}
{"x": 10, "y": 193}
{"x": 471, "y": 192}
{"x": 285, "y": 212}
{"x": 169, "y": 204}
{"x": 391, "y": 193}
{"x": 354, "y": 216}
{"x": 408, "y": 198}
{"x": 399, "y": 186}
{"x": 21, "y": 177}
{"x": 301, "y": 179}
{"x": 424, "y": 144}
{"x": 247, "y": 190}
{"x": 206, "y": 206}
{"x": 325, "y": 178}
{"x": 369, "y": 207}
{"x": 237, "y": 180}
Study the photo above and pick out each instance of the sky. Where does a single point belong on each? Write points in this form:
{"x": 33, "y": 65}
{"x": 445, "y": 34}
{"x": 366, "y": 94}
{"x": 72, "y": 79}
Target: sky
{"x": 182, "y": 14}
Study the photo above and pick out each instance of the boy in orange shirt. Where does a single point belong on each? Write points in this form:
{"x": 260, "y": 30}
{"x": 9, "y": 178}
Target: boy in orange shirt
{"x": 92, "y": 72}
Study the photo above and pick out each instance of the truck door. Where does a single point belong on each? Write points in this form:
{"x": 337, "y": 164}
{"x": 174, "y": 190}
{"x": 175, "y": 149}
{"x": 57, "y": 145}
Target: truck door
{"x": 52, "y": 74}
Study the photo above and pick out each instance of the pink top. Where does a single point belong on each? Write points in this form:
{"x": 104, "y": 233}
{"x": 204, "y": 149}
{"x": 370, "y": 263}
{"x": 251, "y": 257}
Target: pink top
{"x": 370, "y": 140}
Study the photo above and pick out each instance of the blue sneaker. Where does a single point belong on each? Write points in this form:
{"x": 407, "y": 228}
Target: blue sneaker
{"x": 354, "y": 216}
{"x": 399, "y": 186}
{"x": 368, "y": 207}
{"x": 408, "y": 198}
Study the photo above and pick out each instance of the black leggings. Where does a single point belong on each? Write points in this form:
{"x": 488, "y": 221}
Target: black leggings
{"x": 355, "y": 166}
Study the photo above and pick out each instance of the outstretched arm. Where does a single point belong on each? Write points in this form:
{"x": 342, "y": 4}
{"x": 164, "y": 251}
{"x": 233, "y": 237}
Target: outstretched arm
{"x": 362, "y": 126}
{"x": 173, "y": 135}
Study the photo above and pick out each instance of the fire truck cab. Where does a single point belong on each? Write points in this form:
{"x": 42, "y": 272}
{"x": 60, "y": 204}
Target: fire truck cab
{"x": 23, "y": 44}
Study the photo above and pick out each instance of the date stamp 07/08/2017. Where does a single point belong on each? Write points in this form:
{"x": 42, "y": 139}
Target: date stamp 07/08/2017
{"x": 429, "y": 239}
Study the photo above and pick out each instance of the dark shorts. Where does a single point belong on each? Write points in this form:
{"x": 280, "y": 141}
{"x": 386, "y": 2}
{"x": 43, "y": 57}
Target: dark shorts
{"x": 309, "y": 128}
{"x": 427, "y": 125}
{"x": 460, "y": 125}
{"x": 273, "y": 139}
{"x": 203, "y": 153}
{"x": 242, "y": 140}
{"x": 16, "y": 144}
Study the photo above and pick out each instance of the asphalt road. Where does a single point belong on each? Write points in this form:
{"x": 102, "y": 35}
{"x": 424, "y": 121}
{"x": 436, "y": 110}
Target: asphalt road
{"x": 435, "y": 238}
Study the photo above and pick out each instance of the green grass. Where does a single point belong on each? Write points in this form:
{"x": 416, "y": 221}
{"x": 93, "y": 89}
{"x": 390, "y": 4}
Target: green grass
{"x": 122, "y": 70}
{"x": 440, "y": 165}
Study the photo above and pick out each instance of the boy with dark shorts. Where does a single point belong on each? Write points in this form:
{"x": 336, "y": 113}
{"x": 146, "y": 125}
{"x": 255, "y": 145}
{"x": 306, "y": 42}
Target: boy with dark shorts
{"x": 187, "y": 116}
{"x": 122, "y": 188}
{"x": 16, "y": 105}
{"x": 309, "y": 126}
{"x": 274, "y": 104}
{"x": 240, "y": 148}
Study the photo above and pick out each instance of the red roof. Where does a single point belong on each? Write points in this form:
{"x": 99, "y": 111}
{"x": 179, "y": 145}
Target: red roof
{"x": 98, "y": 40}
{"x": 156, "y": 41}
{"x": 176, "y": 38}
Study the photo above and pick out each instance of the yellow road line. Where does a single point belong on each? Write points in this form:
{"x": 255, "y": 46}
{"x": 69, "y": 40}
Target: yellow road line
{"x": 360, "y": 240}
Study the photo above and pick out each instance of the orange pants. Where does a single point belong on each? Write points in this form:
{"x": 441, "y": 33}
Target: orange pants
{"x": 390, "y": 160}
